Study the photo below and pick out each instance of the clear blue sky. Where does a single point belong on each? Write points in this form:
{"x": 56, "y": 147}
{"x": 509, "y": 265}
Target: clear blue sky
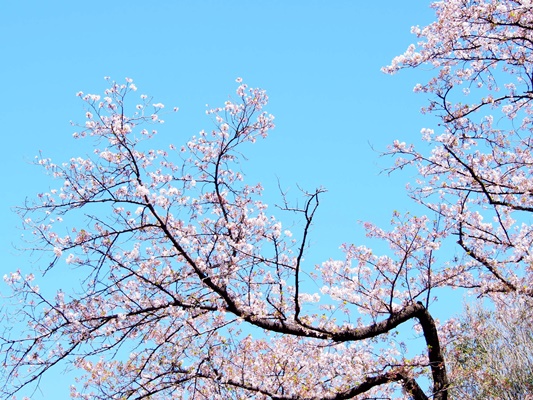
{"x": 318, "y": 60}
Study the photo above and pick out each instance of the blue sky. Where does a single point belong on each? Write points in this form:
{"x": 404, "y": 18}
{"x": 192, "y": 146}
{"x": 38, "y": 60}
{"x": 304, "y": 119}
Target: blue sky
{"x": 318, "y": 60}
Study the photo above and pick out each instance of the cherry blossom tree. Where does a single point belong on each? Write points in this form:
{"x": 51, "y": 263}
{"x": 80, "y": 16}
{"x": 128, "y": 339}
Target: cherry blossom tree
{"x": 479, "y": 171}
{"x": 478, "y": 175}
{"x": 191, "y": 288}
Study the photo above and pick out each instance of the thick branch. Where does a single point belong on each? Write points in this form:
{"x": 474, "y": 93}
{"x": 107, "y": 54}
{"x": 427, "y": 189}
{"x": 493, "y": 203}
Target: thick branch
{"x": 436, "y": 358}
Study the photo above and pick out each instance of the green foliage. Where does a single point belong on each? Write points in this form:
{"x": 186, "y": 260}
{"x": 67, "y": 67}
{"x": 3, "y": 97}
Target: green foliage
{"x": 493, "y": 358}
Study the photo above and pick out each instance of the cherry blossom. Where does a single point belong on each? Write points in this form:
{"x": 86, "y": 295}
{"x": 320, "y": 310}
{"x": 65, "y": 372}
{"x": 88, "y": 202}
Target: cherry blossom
{"x": 192, "y": 287}
{"x": 477, "y": 176}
